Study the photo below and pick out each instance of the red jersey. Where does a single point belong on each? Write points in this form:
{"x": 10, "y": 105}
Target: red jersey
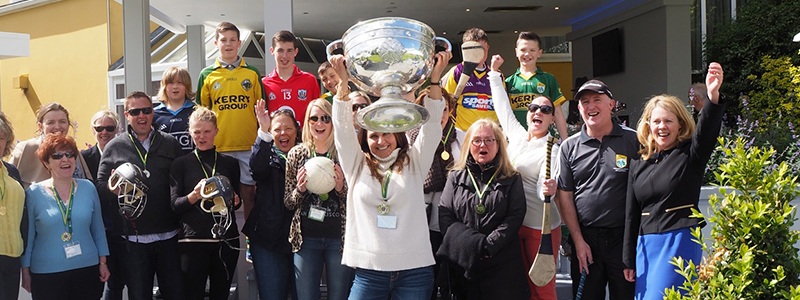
{"x": 294, "y": 93}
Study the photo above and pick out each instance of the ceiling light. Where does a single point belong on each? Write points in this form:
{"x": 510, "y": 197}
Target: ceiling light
{"x": 516, "y": 31}
{"x": 468, "y": 10}
{"x": 557, "y": 8}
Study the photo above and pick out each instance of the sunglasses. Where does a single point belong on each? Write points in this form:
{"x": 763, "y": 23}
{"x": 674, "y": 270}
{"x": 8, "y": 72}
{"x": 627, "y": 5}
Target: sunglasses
{"x": 59, "y": 155}
{"x": 136, "y": 111}
{"x": 357, "y": 107}
{"x": 106, "y": 128}
{"x": 546, "y": 109}
{"x": 325, "y": 119}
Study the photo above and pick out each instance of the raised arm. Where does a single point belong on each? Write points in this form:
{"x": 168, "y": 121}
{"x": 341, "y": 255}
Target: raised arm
{"x": 502, "y": 106}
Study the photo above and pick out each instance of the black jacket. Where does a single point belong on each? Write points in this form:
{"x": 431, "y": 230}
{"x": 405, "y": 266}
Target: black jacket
{"x": 505, "y": 206}
{"x": 157, "y": 216}
{"x": 663, "y": 189}
{"x": 92, "y": 158}
{"x": 185, "y": 173}
{"x": 269, "y": 220}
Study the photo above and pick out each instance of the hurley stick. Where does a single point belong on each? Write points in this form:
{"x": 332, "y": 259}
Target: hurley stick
{"x": 544, "y": 265}
{"x": 473, "y": 53}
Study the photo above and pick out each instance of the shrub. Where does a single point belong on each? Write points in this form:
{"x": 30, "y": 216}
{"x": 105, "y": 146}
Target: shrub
{"x": 752, "y": 255}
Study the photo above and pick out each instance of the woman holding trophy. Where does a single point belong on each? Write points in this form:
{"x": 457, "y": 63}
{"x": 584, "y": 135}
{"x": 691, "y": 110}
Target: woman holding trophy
{"x": 386, "y": 237}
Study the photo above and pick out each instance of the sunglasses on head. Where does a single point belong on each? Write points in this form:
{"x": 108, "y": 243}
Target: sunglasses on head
{"x": 546, "y": 109}
{"x": 136, "y": 111}
{"x": 59, "y": 155}
{"x": 356, "y": 107}
{"x": 106, "y": 128}
{"x": 325, "y": 119}
{"x": 282, "y": 111}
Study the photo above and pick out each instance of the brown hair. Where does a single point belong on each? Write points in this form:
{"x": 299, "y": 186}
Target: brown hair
{"x": 530, "y": 36}
{"x": 372, "y": 161}
{"x": 447, "y": 97}
{"x": 361, "y": 94}
{"x": 8, "y": 134}
{"x": 53, "y": 142}
{"x": 504, "y": 166}
{"x": 48, "y": 108}
{"x": 323, "y": 67}
{"x": 134, "y": 95}
{"x": 475, "y": 34}
{"x": 225, "y": 26}
{"x": 668, "y": 103}
{"x": 288, "y": 113}
{"x": 173, "y": 74}
{"x": 284, "y": 36}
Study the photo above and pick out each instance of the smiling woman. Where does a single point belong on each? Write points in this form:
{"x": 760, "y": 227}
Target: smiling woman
{"x": 52, "y": 119}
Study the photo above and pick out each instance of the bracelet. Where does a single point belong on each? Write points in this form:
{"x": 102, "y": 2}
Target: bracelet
{"x": 102, "y": 263}
{"x": 435, "y": 83}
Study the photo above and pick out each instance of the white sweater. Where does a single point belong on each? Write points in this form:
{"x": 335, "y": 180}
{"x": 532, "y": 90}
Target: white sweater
{"x": 365, "y": 245}
{"x": 528, "y": 157}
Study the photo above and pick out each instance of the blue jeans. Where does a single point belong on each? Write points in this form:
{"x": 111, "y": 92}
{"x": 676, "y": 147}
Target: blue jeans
{"x": 140, "y": 262}
{"x": 401, "y": 285}
{"x": 273, "y": 272}
{"x": 308, "y": 269}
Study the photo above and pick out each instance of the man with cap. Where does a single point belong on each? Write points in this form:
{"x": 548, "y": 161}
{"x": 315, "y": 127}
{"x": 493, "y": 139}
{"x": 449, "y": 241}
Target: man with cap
{"x": 592, "y": 188}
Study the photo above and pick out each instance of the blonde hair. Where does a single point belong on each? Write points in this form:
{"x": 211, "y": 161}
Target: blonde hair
{"x": 171, "y": 75}
{"x": 671, "y": 104}
{"x": 8, "y": 134}
{"x": 361, "y": 94}
{"x": 201, "y": 113}
{"x": 504, "y": 166}
{"x": 308, "y": 138}
{"x": 105, "y": 114}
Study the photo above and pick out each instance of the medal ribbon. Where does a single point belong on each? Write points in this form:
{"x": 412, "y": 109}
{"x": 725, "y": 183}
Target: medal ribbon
{"x": 213, "y": 170}
{"x": 449, "y": 131}
{"x": 477, "y": 188}
{"x": 314, "y": 152}
{"x": 66, "y": 211}
{"x": 143, "y": 158}
{"x": 385, "y": 185}
{"x": 279, "y": 152}
{"x": 3, "y": 191}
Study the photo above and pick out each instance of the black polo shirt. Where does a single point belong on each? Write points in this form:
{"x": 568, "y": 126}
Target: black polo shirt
{"x": 597, "y": 172}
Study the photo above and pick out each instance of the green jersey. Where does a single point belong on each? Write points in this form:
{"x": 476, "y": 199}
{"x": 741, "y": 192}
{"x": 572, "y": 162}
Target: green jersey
{"x": 522, "y": 90}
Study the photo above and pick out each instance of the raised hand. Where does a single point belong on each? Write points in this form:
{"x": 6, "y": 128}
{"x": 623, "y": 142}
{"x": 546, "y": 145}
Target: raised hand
{"x": 497, "y": 61}
{"x": 714, "y": 81}
{"x": 442, "y": 59}
{"x": 262, "y": 115}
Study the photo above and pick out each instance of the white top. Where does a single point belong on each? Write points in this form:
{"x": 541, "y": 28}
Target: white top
{"x": 365, "y": 245}
{"x": 528, "y": 157}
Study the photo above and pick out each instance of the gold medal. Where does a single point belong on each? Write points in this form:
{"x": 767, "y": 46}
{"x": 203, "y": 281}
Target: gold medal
{"x": 146, "y": 173}
{"x": 480, "y": 209}
{"x": 3, "y": 211}
{"x": 66, "y": 236}
{"x": 383, "y": 208}
{"x": 445, "y": 155}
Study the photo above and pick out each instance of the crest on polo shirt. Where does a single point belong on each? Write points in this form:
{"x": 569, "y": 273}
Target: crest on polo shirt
{"x": 246, "y": 84}
{"x": 302, "y": 94}
{"x": 540, "y": 87}
{"x": 217, "y": 85}
{"x": 272, "y": 96}
{"x": 621, "y": 161}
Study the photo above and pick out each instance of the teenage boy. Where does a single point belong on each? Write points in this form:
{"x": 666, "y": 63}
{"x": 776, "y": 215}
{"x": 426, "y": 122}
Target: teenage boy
{"x": 148, "y": 245}
{"x": 593, "y": 184}
{"x": 530, "y": 82}
{"x": 329, "y": 79}
{"x": 475, "y": 102}
{"x": 288, "y": 86}
{"x": 231, "y": 88}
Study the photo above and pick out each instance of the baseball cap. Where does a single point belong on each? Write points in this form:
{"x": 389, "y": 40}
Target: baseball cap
{"x": 593, "y": 85}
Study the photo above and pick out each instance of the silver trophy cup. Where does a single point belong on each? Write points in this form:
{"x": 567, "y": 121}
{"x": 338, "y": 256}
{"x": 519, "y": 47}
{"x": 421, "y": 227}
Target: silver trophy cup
{"x": 387, "y": 58}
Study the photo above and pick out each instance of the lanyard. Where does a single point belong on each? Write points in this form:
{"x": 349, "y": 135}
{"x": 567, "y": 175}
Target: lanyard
{"x": 480, "y": 208}
{"x": 213, "y": 169}
{"x": 449, "y": 131}
{"x": 314, "y": 152}
{"x": 384, "y": 207}
{"x": 3, "y": 193}
{"x": 143, "y": 158}
{"x": 66, "y": 210}
{"x": 279, "y": 152}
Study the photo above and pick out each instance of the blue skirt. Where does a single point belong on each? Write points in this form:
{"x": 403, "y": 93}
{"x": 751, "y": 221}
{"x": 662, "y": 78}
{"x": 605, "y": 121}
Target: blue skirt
{"x": 654, "y": 252}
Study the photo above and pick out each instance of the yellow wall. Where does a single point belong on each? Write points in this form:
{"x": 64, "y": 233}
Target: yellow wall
{"x": 68, "y": 63}
{"x": 563, "y": 73}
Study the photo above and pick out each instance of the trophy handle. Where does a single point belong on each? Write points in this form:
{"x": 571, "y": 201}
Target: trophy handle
{"x": 332, "y": 48}
{"x": 442, "y": 42}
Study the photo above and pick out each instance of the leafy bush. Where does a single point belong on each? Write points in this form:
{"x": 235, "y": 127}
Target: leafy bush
{"x": 752, "y": 255}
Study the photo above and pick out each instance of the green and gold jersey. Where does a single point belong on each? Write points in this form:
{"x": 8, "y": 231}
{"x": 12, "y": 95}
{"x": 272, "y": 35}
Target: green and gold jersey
{"x": 522, "y": 90}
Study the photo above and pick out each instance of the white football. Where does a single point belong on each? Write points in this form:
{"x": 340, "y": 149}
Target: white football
{"x": 319, "y": 175}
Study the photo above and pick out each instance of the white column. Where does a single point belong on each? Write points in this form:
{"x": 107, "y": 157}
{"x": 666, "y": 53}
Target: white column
{"x": 136, "y": 29}
{"x": 277, "y": 17}
{"x": 196, "y": 51}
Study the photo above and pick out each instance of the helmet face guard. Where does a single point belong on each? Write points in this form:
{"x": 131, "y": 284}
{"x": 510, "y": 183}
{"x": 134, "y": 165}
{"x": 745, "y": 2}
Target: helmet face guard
{"x": 129, "y": 183}
{"x": 218, "y": 197}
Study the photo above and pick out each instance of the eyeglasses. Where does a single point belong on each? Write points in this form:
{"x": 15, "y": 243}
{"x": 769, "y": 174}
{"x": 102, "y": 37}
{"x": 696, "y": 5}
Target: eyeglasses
{"x": 546, "y": 109}
{"x": 135, "y": 111}
{"x": 357, "y": 107}
{"x": 59, "y": 155}
{"x": 487, "y": 142}
{"x": 106, "y": 128}
{"x": 325, "y": 119}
